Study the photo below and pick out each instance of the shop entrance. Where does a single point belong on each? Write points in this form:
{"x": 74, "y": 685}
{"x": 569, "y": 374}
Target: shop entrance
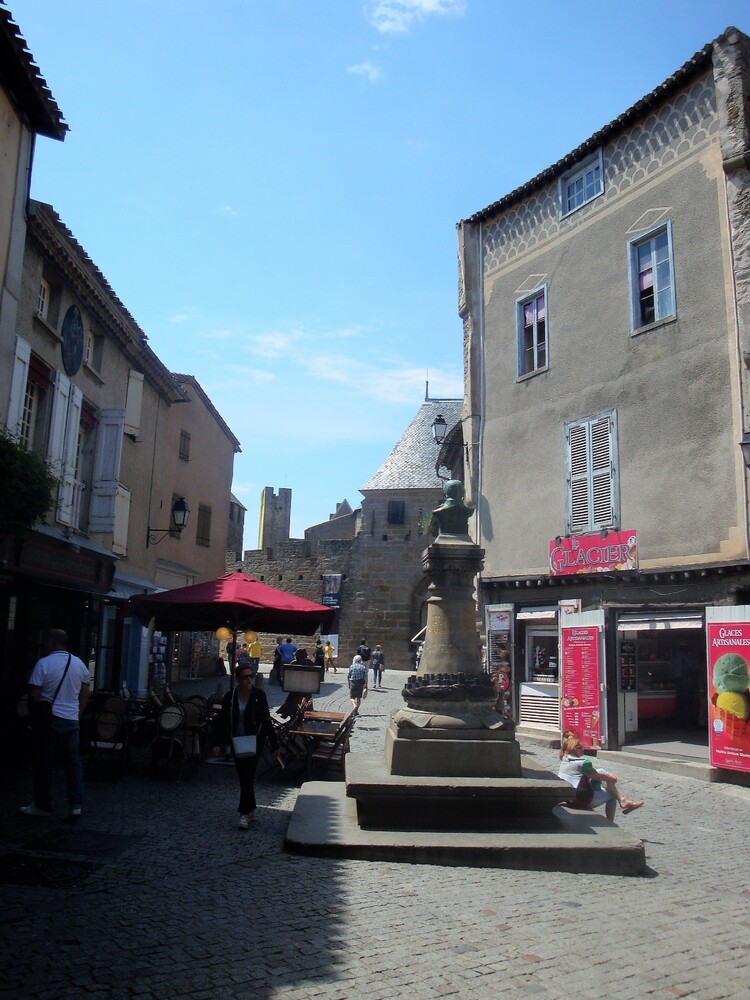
{"x": 663, "y": 679}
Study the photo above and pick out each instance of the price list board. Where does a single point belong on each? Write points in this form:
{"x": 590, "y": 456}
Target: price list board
{"x": 499, "y": 658}
{"x": 579, "y": 684}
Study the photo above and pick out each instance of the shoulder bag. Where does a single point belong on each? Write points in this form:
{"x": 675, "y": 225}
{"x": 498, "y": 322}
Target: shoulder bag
{"x": 243, "y": 746}
{"x": 42, "y": 713}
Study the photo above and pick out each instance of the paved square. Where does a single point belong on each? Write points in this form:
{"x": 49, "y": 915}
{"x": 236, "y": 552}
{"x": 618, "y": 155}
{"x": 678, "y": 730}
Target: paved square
{"x": 189, "y": 906}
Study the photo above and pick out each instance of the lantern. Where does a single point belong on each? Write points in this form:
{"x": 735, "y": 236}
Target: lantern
{"x": 224, "y": 634}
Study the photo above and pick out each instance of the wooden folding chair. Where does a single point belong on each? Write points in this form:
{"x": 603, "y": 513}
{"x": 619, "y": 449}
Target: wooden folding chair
{"x": 330, "y": 753}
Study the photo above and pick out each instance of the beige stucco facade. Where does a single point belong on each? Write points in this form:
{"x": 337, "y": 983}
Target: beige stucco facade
{"x": 674, "y": 385}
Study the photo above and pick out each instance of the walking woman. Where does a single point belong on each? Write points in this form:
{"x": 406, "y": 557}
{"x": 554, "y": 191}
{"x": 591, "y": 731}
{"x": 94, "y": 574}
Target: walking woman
{"x": 244, "y": 712}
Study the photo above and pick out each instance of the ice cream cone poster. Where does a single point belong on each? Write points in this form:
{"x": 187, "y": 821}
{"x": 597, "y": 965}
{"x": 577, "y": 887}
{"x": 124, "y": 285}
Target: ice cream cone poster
{"x": 729, "y": 694}
{"x": 580, "y": 684}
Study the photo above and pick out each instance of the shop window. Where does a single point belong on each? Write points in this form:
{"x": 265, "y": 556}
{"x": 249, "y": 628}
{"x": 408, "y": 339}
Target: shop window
{"x": 581, "y": 184}
{"x": 396, "y": 511}
{"x": 531, "y": 319}
{"x": 652, "y": 278}
{"x": 592, "y": 493}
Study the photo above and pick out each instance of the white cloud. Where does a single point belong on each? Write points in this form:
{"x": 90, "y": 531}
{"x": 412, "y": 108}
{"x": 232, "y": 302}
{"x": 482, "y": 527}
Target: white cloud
{"x": 274, "y": 344}
{"x": 183, "y": 317}
{"x": 366, "y": 69}
{"x": 397, "y": 16}
{"x": 218, "y": 334}
{"x": 230, "y": 212}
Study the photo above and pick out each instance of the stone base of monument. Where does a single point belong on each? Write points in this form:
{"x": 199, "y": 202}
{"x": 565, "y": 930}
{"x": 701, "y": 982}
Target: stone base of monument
{"x": 456, "y": 796}
{"x": 325, "y": 824}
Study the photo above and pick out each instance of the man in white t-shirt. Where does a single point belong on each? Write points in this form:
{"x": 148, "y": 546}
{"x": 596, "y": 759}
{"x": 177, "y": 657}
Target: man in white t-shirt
{"x": 62, "y": 681}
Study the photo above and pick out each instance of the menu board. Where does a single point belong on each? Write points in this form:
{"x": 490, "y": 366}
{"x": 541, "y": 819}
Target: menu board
{"x": 499, "y": 658}
{"x": 728, "y": 694}
{"x": 580, "y": 671}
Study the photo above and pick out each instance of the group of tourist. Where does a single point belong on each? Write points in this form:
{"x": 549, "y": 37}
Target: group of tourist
{"x": 59, "y": 692}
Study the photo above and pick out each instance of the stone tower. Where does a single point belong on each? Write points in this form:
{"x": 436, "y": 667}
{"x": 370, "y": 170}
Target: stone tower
{"x": 275, "y": 517}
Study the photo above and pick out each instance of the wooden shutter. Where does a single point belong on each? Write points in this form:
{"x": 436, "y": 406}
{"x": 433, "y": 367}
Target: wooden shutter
{"x": 57, "y": 424}
{"x": 592, "y": 474}
{"x": 133, "y": 403}
{"x": 66, "y": 495}
{"x": 106, "y": 470}
{"x": 18, "y": 386}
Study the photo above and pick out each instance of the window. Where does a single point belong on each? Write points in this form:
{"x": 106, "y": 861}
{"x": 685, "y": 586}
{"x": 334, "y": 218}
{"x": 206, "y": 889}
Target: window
{"x": 203, "y": 529}
{"x": 591, "y": 469}
{"x": 42, "y": 304}
{"x": 93, "y": 351}
{"x": 184, "y": 446}
{"x": 396, "y": 511}
{"x": 652, "y": 278}
{"x": 532, "y": 333}
{"x": 581, "y": 184}
{"x": 28, "y": 415}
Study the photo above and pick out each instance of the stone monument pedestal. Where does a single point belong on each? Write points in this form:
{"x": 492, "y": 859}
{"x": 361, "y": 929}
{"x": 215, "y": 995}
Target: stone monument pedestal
{"x": 451, "y": 787}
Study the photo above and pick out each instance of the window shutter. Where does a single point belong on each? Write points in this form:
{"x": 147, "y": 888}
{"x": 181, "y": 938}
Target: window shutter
{"x": 121, "y": 521}
{"x": 66, "y": 494}
{"x": 106, "y": 470}
{"x": 579, "y": 477}
{"x": 601, "y": 475}
{"x": 133, "y": 403}
{"x": 57, "y": 423}
{"x": 18, "y": 386}
{"x": 592, "y": 486}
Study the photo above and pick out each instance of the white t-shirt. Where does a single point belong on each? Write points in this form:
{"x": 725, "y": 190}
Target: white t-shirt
{"x": 46, "y": 675}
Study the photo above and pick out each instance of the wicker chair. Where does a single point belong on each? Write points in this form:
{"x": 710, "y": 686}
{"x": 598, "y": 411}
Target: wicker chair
{"x": 108, "y": 742}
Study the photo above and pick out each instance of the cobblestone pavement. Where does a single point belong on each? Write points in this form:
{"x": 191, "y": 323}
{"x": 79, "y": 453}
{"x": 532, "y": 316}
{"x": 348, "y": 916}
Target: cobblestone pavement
{"x": 157, "y": 894}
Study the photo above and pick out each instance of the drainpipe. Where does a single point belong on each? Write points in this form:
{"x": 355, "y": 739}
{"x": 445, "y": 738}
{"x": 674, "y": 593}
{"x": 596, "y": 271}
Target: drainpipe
{"x": 731, "y": 165}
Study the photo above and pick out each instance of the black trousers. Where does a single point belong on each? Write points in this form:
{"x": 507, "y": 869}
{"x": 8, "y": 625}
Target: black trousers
{"x": 246, "y": 773}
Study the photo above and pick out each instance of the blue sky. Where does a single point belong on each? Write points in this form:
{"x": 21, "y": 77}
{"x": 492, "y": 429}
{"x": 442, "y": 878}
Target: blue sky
{"x": 272, "y": 188}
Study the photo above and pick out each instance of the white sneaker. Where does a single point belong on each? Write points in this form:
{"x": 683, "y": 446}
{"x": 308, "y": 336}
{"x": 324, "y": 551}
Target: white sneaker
{"x": 245, "y": 821}
{"x": 33, "y": 810}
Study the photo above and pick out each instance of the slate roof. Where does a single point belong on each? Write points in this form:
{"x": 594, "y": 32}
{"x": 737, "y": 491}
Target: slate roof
{"x": 411, "y": 464}
{"x": 20, "y": 75}
{"x": 695, "y": 65}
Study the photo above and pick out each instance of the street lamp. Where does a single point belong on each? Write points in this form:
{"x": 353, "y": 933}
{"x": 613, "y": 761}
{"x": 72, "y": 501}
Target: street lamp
{"x": 439, "y": 428}
{"x": 180, "y": 514}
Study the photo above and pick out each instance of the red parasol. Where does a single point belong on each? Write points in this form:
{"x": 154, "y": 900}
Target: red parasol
{"x": 236, "y": 601}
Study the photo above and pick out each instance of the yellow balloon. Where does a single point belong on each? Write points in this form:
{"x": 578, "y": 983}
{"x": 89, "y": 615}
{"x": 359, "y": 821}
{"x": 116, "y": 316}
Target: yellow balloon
{"x": 223, "y": 633}
{"x": 251, "y": 636}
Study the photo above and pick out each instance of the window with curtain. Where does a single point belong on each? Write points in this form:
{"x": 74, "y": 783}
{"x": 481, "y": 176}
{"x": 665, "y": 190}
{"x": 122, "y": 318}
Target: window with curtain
{"x": 532, "y": 333}
{"x": 652, "y": 278}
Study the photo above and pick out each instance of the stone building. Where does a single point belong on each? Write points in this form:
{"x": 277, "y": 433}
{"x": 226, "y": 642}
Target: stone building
{"x": 126, "y": 439}
{"x": 606, "y": 311}
{"x": 375, "y": 549}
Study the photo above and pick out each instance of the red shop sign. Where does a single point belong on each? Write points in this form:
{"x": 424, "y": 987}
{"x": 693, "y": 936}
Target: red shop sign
{"x": 593, "y": 554}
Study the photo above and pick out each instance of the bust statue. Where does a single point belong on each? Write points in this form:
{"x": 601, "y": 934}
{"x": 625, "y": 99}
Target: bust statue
{"x": 452, "y": 516}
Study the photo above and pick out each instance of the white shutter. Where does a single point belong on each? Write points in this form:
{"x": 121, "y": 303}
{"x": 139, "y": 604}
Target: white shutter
{"x": 133, "y": 403}
{"x": 106, "y": 470}
{"x": 18, "y": 381}
{"x": 122, "y": 521}
{"x": 66, "y": 494}
{"x": 57, "y": 423}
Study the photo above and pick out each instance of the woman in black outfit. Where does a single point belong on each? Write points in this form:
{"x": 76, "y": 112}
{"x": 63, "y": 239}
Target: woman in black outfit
{"x": 244, "y": 712}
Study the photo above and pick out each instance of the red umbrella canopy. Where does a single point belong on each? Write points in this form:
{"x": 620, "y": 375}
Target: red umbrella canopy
{"x": 235, "y": 600}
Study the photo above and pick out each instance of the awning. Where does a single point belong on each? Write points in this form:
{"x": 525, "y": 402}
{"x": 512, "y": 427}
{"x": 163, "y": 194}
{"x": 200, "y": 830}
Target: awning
{"x": 671, "y": 621}
{"x": 539, "y": 614}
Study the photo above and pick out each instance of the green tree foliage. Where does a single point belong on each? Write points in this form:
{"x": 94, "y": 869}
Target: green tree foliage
{"x": 26, "y": 488}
